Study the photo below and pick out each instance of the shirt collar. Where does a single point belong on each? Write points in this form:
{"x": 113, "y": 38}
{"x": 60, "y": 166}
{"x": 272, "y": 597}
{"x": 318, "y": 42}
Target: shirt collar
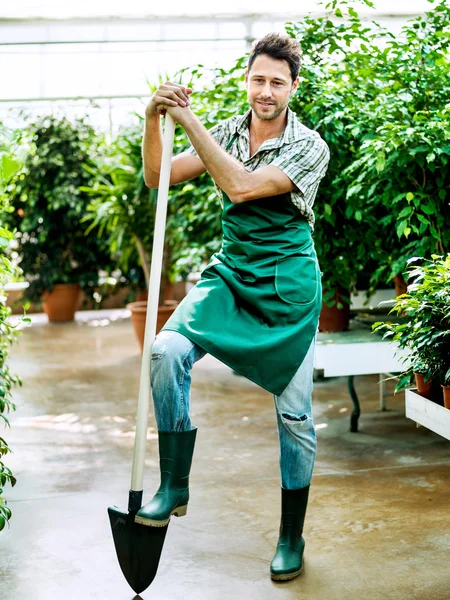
{"x": 293, "y": 132}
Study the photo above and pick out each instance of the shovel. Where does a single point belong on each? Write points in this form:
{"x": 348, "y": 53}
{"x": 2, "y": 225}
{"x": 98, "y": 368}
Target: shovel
{"x": 139, "y": 547}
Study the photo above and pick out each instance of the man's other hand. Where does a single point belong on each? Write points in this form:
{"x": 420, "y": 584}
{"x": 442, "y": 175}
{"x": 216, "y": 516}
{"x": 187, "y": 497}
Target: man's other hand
{"x": 168, "y": 95}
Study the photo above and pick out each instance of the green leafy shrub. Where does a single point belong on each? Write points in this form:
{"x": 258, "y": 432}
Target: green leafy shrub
{"x": 48, "y": 206}
{"x": 7, "y": 380}
{"x": 381, "y": 103}
{"x": 120, "y": 205}
{"x": 401, "y": 169}
{"x": 426, "y": 334}
{"x": 10, "y": 162}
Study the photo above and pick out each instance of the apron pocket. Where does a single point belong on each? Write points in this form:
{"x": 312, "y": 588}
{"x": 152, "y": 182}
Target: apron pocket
{"x": 296, "y": 279}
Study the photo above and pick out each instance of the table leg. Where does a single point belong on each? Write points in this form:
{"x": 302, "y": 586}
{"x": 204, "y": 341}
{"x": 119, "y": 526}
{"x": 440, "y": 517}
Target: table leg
{"x": 382, "y": 392}
{"x": 356, "y": 408}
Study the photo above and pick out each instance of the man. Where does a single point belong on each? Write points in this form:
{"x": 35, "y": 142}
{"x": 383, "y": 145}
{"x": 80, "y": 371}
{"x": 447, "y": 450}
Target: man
{"x": 257, "y": 305}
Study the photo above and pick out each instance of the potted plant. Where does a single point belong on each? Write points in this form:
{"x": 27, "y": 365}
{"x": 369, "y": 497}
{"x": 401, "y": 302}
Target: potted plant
{"x": 381, "y": 102}
{"x": 426, "y": 333}
{"x": 123, "y": 209}
{"x": 47, "y": 205}
{"x": 399, "y": 174}
{"x": 8, "y": 381}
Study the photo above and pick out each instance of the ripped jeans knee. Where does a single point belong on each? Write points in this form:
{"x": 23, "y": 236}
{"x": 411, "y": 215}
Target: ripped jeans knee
{"x": 290, "y": 417}
{"x": 169, "y": 353}
{"x": 294, "y": 422}
{"x": 296, "y": 429}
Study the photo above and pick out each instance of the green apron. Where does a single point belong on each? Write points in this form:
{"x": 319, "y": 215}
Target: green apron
{"x": 256, "y": 307}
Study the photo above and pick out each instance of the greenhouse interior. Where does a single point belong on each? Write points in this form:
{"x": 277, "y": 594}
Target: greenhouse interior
{"x": 225, "y": 286}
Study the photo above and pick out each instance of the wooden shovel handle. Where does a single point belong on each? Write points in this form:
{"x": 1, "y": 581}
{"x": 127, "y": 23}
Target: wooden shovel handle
{"x": 137, "y": 476}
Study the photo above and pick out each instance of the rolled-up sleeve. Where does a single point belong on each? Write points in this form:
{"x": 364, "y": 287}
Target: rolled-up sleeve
{"x": 218, "y": 132}
{"x": 305, "y": 162}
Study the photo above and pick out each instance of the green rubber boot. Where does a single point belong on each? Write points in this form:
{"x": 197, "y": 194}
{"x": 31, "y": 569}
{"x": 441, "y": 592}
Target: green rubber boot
{"x": 175, "y": 458}
{"x": 288, "y": 560}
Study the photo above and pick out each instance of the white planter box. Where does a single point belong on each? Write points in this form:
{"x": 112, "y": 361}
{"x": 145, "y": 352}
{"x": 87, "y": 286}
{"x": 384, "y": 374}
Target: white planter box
{"x": 427, "y": 413}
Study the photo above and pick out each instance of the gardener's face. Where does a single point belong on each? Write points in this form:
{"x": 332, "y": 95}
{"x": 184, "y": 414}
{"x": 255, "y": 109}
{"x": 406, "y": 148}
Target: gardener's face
{"x": 269, "y": 86}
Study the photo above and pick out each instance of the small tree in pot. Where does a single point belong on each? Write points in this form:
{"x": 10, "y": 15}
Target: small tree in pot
{"x": 426, "y": 334}
{"x": 381, "y": 103}
{"x": 8, "y": 335}
{"x": 123, "y": 209}
{"x": 56, "y": 256}
{"x": 400, "y": 170}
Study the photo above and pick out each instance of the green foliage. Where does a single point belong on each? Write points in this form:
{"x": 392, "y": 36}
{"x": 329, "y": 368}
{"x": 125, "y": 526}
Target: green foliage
{"x": 380, "y": 103}
{"x": 47, "y": 206}
{"x": 7, "y": 380}
{"x": 121, "y": 206}
{"x": 11, "y": 154}
{"x": 426, "y": 334}
{"x": 401, "y": 170}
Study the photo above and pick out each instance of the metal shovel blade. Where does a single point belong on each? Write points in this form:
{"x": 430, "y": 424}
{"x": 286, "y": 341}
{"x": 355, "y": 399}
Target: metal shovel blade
{"x": 138, "y": 548}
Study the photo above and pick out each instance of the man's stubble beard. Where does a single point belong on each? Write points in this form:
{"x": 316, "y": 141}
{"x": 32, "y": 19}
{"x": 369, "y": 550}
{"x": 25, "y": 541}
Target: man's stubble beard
{"x": 268, "y": 117}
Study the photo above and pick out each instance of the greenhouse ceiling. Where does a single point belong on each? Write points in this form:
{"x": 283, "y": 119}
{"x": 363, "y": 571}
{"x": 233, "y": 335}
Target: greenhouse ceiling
{"x": 55, "y": 9}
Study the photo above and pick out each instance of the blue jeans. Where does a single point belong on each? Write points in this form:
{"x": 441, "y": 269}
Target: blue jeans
{"x": 173, "y": 356}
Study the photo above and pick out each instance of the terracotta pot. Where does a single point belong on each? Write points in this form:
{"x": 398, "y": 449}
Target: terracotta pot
{"x": 173, "y": 291}
{"x": 139, "y": 317}
{"x": 333, "y": 318}
{"x": 141, "y": 296}
{"x": 446, "y": 391}
{"x": 401, "y": 286}
{"x": 178, "y": 291}
{"x": 60, "y": 304}
{"x": 115, "y": 299}
{"x": 424, "y": 388}
{"x": 430, "y": 389}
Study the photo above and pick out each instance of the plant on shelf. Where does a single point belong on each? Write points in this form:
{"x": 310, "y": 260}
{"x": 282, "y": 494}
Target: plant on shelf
{"x": 426, "y": 333}
{"x": 47, "y": 206}
{"x": 8, "y": 334}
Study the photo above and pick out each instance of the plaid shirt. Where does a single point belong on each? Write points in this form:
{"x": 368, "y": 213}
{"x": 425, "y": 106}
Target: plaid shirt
{"x": 299, "y": 152}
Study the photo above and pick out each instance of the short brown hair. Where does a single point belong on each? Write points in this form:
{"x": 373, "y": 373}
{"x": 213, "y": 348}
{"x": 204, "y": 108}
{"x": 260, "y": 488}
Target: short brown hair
{"x": 280, "y": 47}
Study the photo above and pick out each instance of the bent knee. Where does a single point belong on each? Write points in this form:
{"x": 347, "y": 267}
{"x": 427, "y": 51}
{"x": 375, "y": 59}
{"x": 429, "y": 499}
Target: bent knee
{"x": 171, "y": 345}
{"x": 296, "y": 420}
{"x": 297, "y": 423}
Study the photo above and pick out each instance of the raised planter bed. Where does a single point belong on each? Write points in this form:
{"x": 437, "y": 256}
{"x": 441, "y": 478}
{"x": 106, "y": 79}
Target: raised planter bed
{"x": 427, "y": 413}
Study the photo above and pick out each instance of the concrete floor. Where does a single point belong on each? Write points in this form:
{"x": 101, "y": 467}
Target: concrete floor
{"x": 377, "y": 525}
